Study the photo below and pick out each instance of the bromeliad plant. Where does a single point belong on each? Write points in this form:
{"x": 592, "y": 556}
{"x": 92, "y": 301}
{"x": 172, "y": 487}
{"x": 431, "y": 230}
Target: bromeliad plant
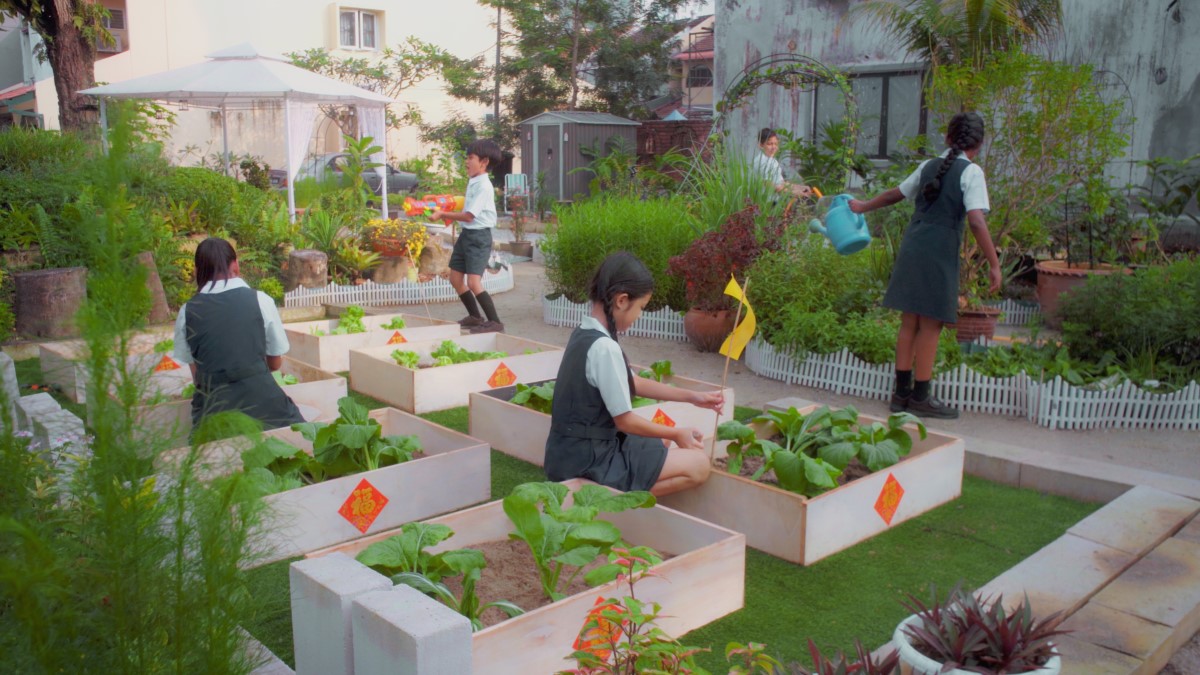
{"x": 567, "y": 538}
{"x": 352, "y": 443}
{"x": 816, "y": 448}
{"x": 404, "y": 559}
{"x": 981, "y": 635}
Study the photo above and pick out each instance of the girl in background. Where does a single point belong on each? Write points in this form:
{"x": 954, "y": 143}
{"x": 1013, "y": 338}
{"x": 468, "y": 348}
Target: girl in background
{"x": 594, "y": 433}
{"x": 924, "y": 284}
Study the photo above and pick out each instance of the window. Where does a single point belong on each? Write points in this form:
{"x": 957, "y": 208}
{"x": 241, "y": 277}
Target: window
{"x": 115, "y": 19}
{"x": 891, "y": 109}
{"x": 700, "y": 76}
{"x": 358, "y": 29}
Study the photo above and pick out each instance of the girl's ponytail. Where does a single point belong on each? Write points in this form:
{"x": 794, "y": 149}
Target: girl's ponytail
{"x": 965, "y": 132}
{"x": 620, "y": 272}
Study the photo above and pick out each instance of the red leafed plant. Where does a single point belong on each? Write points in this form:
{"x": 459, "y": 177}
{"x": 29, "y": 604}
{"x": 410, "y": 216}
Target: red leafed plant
{"x": 706, "y": 265}
{"x": 981, "y": 635}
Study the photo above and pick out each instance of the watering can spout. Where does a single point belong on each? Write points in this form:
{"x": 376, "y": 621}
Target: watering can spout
{"x": 846, "y": 230}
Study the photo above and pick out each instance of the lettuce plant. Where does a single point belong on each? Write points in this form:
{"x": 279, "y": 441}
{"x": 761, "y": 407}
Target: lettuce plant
{"x": 566, "y": 538}
{"x": 816, "y": 448}
{"x": 657, "y": 371}
{"x": 537, "y": 397}
{"x": 396, "y": 323}
{"x": 405, "y": 358}
{"x": 351, "y": 321}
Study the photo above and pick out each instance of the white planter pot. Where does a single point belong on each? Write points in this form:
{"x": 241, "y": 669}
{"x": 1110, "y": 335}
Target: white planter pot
{"x": 919, "y": 664}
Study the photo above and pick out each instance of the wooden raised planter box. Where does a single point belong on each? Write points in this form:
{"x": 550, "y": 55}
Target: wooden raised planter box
{"x": 316, "y": 395}
{"x": 804, "y": 530}
{"x": 373, "y": 371}
{"x": 521, "y": 432}
{"x": 703, "y": 582}
{"x": 63, "y": 367}
{"x": 455, "y": 472}
{"x": 332, "y": 352}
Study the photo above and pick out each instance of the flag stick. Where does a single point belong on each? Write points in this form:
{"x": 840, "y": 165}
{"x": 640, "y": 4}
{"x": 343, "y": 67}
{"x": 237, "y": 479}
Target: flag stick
{"x": 712, "y": 449}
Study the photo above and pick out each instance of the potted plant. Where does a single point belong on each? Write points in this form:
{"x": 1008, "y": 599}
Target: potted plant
{"x": 964, "y": 634}
{"x": 706, "y": 266}
{"x": 975, "y": 319}
{"x": 519, "y": 246}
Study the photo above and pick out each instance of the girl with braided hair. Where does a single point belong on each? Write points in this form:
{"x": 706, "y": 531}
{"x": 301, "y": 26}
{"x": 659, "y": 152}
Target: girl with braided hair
{"x": 924, "y": 285}
{"x": 593, "y": 432}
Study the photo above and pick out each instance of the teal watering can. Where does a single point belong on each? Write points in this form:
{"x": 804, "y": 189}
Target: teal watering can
{"x": 846, "y": 230}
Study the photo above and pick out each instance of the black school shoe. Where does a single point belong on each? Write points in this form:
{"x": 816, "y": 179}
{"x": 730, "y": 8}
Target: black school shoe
{"x": 931, "y": 407}
{"x": 899, "y": 403}
{"x": 488, "y": 327}
{"x": 470, "y": 321}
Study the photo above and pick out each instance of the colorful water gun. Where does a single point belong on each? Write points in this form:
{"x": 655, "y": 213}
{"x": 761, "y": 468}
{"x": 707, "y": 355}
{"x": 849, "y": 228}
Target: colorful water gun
{"x": 427, "y": 204}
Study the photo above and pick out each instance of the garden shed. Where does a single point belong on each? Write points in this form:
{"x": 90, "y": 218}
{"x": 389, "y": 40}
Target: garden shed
{"x": 553, "y": 143}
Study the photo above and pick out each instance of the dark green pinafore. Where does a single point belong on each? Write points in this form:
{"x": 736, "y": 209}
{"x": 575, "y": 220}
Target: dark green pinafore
{"x": 925, "y": 277}
{"x": 228, "y": 341}
{"x": 584, "y": 441}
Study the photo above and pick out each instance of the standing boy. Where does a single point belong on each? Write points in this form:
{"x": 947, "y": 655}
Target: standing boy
{"x": 474, "y": 244}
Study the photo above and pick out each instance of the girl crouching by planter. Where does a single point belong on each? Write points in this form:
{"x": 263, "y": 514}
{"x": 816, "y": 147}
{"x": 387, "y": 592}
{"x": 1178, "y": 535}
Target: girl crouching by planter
{"x": 232, "y": 337}
{"x": 593, "y": 432}
{"x": 924, "y": 284}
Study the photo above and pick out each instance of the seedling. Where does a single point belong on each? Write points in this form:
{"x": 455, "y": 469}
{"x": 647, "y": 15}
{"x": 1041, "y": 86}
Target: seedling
{"x": 406, "y": 358}
{"x": 282, "y": 379}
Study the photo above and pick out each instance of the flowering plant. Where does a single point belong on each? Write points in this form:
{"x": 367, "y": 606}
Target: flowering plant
{"x": 707, "y": 263}
{"x": 396, "y": 237}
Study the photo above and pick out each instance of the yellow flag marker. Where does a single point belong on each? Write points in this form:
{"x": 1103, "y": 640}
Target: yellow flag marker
{"x": 740, "y": 337}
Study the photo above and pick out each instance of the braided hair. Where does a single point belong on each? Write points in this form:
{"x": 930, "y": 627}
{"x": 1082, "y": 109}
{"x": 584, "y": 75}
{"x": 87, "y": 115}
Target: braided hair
{"x": 620, "y": 272}
{"x": 965, "y": 132}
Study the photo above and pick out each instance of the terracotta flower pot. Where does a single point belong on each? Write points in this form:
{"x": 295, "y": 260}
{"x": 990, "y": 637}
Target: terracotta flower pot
{"x": 707, "y": 329}
{"x": 521, "y": 249}
{"x": 1055, "y": 278}
{"x": 976, "y": 322}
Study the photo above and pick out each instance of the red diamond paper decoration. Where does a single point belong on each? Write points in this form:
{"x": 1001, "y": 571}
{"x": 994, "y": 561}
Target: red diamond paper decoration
{"x": 889, "y": 499}
{"x": 396, "y": 339}
{"x": 662, "y": 418}
{"x": 167, "y": 363}
{"x": 502, "y": 377}
{"x": 598, "y": 632}
{"x": 363, "y": 505}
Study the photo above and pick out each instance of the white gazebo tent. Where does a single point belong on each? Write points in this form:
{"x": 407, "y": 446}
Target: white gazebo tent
{"x": 241, "y": 76}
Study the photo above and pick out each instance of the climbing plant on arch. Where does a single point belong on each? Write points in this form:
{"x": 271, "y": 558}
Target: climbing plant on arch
{"x": 793, "y": 72}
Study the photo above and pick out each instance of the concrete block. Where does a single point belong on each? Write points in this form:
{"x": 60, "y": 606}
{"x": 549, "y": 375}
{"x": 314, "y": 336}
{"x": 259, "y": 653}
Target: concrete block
{"x": 1004, "y": 470}
{"x": 1125, "y": 633}
{"x": 8, "y": 383}
{"x": 55, "y": 429}
{"x": 29, "y": 407}
{"x": 322, "y": 591}
{"x": 404, "y": 632}
{"x": 1163, "y": 587}
{"x": 1084, "y": 658}
{"x": 1138, "y": 520}
{"x": 1062, "y": 576}
{"x": 1191, "y": 531}
{"x": 1056, "y": 480}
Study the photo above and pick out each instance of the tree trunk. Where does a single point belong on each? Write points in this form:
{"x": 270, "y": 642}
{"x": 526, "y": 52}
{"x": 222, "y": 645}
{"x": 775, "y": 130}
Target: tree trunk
{"x": 307, "y": 268}
{"x": 576, "y": 25}
{"x": 73, "y": 59}
{"x": 160, "y": 312}
{"x": 47, "y": 300}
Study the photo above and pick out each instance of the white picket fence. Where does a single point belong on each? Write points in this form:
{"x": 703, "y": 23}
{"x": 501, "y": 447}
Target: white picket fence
{"x": 402, "y": 293}
{"x": 663, "y": 324}
{"x": 1015, "y": 312}
{"x": 1055, "y": 404}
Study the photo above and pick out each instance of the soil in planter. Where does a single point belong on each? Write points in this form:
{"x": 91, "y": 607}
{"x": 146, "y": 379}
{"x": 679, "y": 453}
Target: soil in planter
{"x": 854, "y": 470}
{"x": 512, "y": 575}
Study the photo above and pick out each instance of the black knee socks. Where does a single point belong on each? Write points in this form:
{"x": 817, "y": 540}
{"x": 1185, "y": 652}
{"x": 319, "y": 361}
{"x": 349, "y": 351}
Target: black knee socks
{"x": 921, "y": 390}
{"x": 468, "y": 300}
{"x": 489, "y": 307}
{"x": 904, "y": 383}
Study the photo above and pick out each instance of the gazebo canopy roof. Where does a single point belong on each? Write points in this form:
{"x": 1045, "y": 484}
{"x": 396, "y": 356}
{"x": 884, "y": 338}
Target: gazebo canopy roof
{"x": 237, "y": 77}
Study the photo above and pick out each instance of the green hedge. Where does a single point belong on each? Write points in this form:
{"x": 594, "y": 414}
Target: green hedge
{"x": 586, "y": 232}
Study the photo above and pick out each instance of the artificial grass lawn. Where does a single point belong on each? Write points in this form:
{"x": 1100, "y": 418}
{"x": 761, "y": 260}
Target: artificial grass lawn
{"x": 853, "y": 594}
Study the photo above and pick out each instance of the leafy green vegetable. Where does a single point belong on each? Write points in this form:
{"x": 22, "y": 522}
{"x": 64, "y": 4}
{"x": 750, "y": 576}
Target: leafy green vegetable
{"x": 468, "y": 563}
{"x": 657, "y": 371}
{"x": 283, "y": 379}
{"x": 457, "y": 354}
{"x": 818, "y": 447}
{"x": 351, "y": 321}
{"x": 164, "y": 346}
{"x": 189, "y": 390}
{"x": 317, "y": 331}
{"x": 405, "y": 358}
{"x": 396, "y": 323}
{"x": 538, "y": 397}
{"x": 567, "y": 538}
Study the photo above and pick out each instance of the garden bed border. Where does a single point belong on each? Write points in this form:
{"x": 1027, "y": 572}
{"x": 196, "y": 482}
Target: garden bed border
{"x": 402, "y": 293}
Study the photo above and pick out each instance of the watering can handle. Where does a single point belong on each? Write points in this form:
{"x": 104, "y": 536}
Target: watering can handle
{"x": 859, "y": 219}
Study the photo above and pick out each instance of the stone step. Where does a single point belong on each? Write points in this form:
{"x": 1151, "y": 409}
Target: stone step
{"x": 1138, "y": 520}
{"x": 30, "y": 408}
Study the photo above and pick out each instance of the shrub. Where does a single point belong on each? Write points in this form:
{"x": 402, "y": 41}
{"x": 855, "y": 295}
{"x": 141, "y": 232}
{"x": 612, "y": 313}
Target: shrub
{"x": 1138, "y": 318}
{"x": 653, "y": 230}
{"x": 214, "y": 194}
{"x": 707, "y": 263}
{"x": 7, "y": 322}
{"x": 272, "y": 287}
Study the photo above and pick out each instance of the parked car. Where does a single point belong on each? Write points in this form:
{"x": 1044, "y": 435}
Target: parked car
{"x": 331, "y": 165}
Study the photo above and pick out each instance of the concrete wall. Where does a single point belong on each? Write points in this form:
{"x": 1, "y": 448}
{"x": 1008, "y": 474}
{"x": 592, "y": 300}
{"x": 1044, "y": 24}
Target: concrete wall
{"x": 165, "y": 34}
{"x": 1155, "y": 52}
{"x": 10, "y": 53}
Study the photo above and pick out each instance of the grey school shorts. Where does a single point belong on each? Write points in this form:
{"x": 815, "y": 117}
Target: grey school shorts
{"x": 471, "y": 251}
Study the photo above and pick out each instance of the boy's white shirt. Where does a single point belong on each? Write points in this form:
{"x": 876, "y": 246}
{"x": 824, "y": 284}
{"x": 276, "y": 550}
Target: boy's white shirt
{"x": 973, "y": 182}
{"x": 277, "y": 342}
{"x": 769, "y": 167}
{"x": 605, "y": 369}
{"x": 480, "y": 201}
